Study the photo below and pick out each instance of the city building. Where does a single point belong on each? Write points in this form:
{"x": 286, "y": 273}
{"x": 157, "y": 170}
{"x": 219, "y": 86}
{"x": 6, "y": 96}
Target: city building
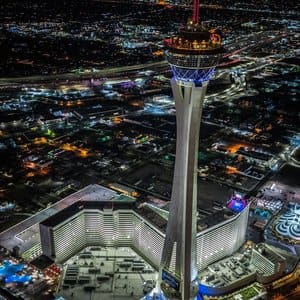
{"x": 193, "y": 56}
{"x": 97, "y": 215}
{"x": 270, "y": 264}
{"x": 115, "y": 224}
{"x": 86, "y": 98}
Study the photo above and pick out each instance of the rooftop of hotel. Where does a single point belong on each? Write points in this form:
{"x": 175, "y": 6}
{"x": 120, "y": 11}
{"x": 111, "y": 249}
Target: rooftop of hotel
{"x": 158, "y": 216}
{"x": 123, "y": 202}
{"x": 26, "y": 233}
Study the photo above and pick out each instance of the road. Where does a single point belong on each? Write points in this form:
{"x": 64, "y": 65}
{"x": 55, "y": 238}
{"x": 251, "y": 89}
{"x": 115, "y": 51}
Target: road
{"x": 6, "y": 82}
{"x": 235, "y": 47}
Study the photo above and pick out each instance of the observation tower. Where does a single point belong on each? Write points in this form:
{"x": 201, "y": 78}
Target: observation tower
{"x": 193, "y": 55}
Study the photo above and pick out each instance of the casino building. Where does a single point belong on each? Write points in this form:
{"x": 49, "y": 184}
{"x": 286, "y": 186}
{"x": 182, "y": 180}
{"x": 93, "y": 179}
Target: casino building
{"x": 97, "y": 215}
{"x": 117, "y": 224}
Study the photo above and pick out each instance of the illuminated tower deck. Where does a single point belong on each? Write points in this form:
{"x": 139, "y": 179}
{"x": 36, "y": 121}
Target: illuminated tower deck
{"x": 193, "y": 56}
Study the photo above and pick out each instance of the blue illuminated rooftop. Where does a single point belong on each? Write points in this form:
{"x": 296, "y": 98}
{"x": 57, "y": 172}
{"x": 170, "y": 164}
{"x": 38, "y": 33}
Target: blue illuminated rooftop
{"x": 237, "y": 203}
{"x": 9, "y": 271}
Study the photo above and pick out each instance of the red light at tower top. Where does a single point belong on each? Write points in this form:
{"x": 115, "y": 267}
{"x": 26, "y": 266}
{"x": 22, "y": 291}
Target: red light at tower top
{"x": 196, "y": 5}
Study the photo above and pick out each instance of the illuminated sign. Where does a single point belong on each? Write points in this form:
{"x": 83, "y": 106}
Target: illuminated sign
{"x": 171, "y": 280}
{"x": 237, "y": 203}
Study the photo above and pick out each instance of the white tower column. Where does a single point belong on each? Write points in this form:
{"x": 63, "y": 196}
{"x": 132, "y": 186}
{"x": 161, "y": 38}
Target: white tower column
{"x": 193, "y": 55}
{"x": 182, "y": 224}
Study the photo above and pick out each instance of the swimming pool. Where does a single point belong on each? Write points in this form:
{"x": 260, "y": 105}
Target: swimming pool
{"x": 8, "y": 271}
{"x": 18, "y": 279}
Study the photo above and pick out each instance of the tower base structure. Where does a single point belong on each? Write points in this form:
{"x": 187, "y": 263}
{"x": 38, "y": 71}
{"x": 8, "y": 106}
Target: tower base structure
{"x": 155, "y": 294}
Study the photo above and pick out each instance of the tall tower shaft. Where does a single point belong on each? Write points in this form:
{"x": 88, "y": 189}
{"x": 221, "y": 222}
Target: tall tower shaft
{"x": 181, "y": 230}
{"x": 192, "y": 55}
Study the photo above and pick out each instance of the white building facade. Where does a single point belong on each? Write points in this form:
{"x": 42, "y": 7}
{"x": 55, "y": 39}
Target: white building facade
{"x": 125, "y": 227}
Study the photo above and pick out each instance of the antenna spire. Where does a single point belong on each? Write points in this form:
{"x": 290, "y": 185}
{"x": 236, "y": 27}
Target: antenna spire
{"x": 196, "y": 5}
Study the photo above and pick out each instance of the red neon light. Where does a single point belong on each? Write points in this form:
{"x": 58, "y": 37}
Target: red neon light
{"x": 196, "y": 11}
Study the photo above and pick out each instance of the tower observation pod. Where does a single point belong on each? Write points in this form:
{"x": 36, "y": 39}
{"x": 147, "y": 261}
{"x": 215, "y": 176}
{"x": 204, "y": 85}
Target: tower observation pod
{"x": 193, "y": 55}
